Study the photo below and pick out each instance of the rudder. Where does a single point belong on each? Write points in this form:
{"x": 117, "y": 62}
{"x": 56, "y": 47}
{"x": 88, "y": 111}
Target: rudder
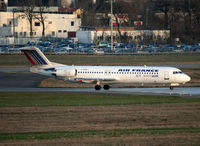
{"x": 35, "y": 56}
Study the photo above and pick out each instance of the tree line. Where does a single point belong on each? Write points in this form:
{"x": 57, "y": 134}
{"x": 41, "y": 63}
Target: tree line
{"x": 181, "y": 17}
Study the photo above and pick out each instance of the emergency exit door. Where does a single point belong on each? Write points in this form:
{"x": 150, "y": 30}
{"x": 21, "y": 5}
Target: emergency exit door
{"x": 166, "y": 75}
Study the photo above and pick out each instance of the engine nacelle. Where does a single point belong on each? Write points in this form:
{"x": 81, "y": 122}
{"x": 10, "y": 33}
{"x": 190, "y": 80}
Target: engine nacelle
{"x": 65, "y": 73}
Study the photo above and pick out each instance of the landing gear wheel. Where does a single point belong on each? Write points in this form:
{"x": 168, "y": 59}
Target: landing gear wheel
{"x": 171, "y": 87}
{"x": 97, "y": 87}
{"x": 106, "y": 87}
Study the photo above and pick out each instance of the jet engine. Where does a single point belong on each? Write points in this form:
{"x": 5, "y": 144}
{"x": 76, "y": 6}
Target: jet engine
{"x": 65, "y": 73}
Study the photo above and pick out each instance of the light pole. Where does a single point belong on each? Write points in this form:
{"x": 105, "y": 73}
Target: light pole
{"x": 13, "y": 22}
{"x": 111, "y": 25}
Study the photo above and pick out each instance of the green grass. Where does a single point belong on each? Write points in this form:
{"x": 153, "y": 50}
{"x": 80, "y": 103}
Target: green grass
{"x": 105, "y": 133}
{"x": 12, "y": 60}
{"x": 128, "y": 60}
{"x": 69, "y": 99}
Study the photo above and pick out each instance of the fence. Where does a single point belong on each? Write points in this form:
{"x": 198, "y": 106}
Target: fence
{"x": 17, "y": 40}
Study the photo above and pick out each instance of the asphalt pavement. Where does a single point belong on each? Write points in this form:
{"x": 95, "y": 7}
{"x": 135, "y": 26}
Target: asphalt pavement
{"x": 21, "y": 80}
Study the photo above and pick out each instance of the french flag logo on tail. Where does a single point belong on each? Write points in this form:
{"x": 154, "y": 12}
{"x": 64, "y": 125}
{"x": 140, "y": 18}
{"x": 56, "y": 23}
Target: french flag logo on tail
{"x": 35, "y": 56}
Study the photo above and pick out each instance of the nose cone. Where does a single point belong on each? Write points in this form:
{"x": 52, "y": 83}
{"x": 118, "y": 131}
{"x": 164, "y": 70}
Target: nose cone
{"x": 187, "y": 78}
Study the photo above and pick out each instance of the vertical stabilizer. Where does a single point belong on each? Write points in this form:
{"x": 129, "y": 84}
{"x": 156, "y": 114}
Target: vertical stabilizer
{"x": 35, "y": 56}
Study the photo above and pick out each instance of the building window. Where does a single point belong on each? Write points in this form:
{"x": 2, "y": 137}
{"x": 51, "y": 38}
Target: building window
{"x": 37, "y": 23}
{"x": 59, "y": 31}
{"x": 53, "y": 33}
{"x": 24, "y": 33}
{"x": 33, "y": 33}
{"x": 16, "y": 34}
{"x": 72, "y": 23}
{"x": 64, "y": 31}
{"x": 20, "y": 33}
{"x": 50, "y": 22}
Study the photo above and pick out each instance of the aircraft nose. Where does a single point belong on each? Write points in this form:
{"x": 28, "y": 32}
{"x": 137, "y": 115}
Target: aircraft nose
{"x": 187, "y": 78}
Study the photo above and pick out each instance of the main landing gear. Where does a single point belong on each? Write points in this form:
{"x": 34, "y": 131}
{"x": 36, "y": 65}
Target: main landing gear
{"x": 171, "y": 87}
{"x": 105, "y": 87}
{"x": 97, "y": 87}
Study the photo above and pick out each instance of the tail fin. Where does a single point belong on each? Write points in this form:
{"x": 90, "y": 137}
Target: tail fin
{"x": 35, "y": 56}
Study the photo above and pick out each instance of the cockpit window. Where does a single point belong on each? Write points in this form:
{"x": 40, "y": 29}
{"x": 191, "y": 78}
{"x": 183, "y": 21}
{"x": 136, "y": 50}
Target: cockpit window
{"x": 177, "y": 72}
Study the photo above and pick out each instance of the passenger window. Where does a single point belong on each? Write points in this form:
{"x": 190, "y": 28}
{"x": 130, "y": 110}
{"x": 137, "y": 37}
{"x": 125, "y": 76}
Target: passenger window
{"x": 175, "y": 72}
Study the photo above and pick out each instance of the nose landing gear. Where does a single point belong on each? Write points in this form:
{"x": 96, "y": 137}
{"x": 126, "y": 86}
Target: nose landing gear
{"x": 171, "y": 87}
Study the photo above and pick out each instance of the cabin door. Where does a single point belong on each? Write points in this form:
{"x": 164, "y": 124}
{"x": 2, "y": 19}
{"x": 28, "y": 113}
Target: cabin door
{"x": 166, "y": 75}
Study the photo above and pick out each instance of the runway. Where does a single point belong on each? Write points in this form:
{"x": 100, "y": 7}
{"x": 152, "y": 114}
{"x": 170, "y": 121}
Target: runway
{"x": 21, "y": 80}
{"x": 180, "y": 91}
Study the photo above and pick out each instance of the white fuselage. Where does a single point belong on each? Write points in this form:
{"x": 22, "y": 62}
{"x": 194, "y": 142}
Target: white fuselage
{"x": 104, "y": 74}
{"x": 119, "y": 74}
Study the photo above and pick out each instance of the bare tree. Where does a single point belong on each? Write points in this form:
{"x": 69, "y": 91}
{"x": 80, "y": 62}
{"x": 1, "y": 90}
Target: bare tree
{"x": 3, "y": 6}
{"x": 184, "y": 22}
{"x": 41, "y": 17}
{"x": 194, "y": 16}
{"x": 120, "y": 15}
{"x": 163, "y": 6}
{"x": 28, "y": 8}
{"x": 182, "y": 17}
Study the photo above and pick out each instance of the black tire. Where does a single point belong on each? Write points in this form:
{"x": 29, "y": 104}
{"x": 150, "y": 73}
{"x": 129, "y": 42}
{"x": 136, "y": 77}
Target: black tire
{"x": 171, "y": 87}
{"x": 97, "y": 87}
{"x": 106, "y": 87}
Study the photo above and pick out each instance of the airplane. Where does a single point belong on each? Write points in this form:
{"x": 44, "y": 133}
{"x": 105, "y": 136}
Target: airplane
{"x": 104, "y": 75}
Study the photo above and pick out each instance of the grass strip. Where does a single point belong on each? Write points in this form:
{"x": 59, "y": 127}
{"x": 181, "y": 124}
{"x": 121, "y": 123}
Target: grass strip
{"x": 104, "y": 59}
{"x": 105, "y": 133}
{"x": 27, "y": 99}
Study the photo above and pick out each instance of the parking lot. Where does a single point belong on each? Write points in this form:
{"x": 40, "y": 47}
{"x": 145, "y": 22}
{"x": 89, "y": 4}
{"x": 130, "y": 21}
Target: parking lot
{"x": 67, "y": 46}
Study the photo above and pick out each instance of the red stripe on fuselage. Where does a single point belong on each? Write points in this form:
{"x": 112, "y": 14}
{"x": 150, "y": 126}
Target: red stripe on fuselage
{"x": 29, "y": 58}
